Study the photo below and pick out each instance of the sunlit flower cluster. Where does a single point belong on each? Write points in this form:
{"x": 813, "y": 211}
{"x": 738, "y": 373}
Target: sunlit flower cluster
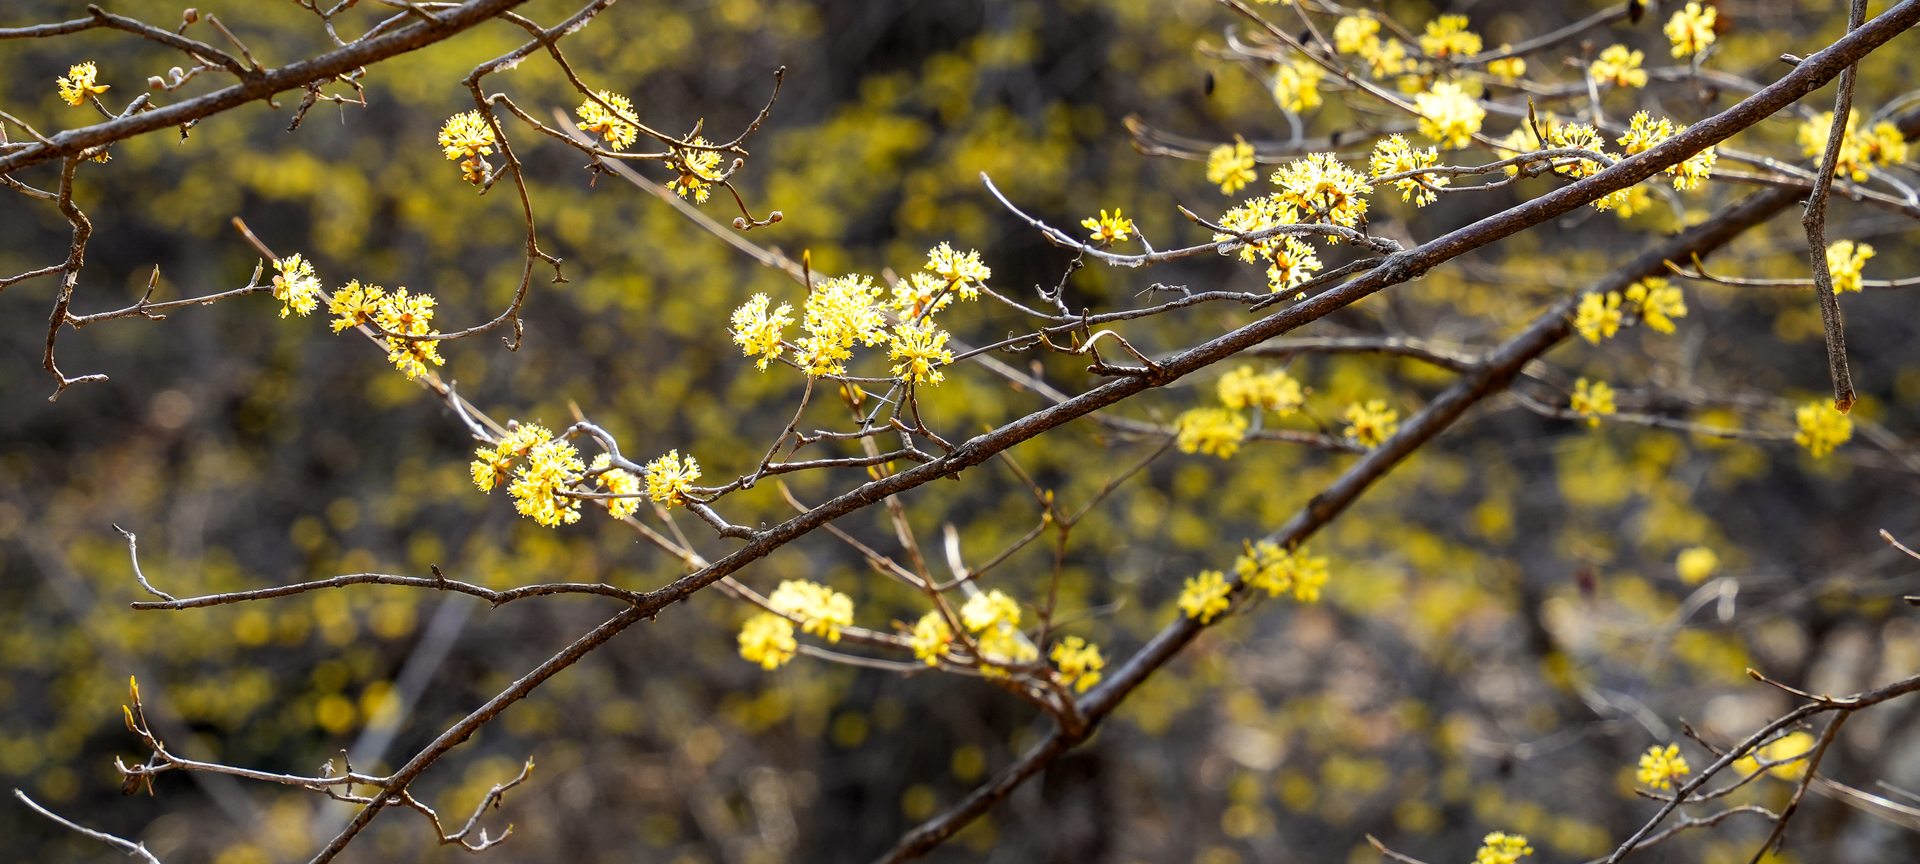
{"x": 1643, "y": 132}
{"x": 839, "y": 313}
{"x": 1108, "y": 230}
{"x": 1691, "y": 29}
{"x": 1658, "y": 301}
{"x": 1360, "y": 36}
{"x": 355, "y": 304}
{"x": 1296, "y": 84}
{"x": 670, "y": 478}
{"x": 921, "y": 351}
{"x": 1393, "y": 155}
{"x": 1821, "y": 427}
{"x": 699, "y": 169}
{"x": 1205, "y": 595}
{"x": 492, "y": 465}
{"x": 1660, "y": 767}
{"x": 617, "y": 482}
{"x": 1578, "y": 136}
{"x": 758, "y": 331}
{"x": 1502, "y": 848}
{"x": 1448, "y": 115}
{"x": 1448, "y": 36}
{"x": 467, "y": 137}
{"x": 1267, "y": 567}
{"x": 1213, "y": 431}
{"x": 1859, "y": 151}
{"x": 1079, "y": 662}
{"x": 614, "y": 127}
{"x": 79, "y": 84}
{"x": 994, "y": 620}
{"x": 822, "y": 611}
{"x": 962, "y": 271}
{"x": 767, "y": 639}
{"x": 1598, "y": 316}
{"x": 1371, "y": 423}
{"x": 1620, "y": 66}
{"x": 1507, "y": 69}
{"x": 1845, "y": 259}
{"x": 1321, "y": 188}
{"x": 1592, "y": 400}
{"x": 295, "y": 286}
{"x": 1231, "y": 165}
{"x": 538, "y": 487}
{"x": 1273, "y": 390}
{"x": 402, "y": 314}
{"x": 931, "y": 638}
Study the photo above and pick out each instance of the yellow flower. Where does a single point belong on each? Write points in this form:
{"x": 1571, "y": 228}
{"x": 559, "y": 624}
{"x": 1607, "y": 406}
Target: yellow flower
{"x": 699, "y": 170}
{"x": 1695, "y": 564}
{"x": 920, "y": 294}
{"x": 1626, "y": 202}
{"x": 1643, "y": 132}
{"x": 1353, "y": 35}
{"x": 1660, "y": 767}
{"x": 613, "y": 126}
{"x": 1231, "y": 165}
{"x": 932, "y": 638}
{"x": 1789, "y": 746}
{"x": 1371, "y": 423}
{"x": 406, "y": 315}
{"x": 1844, "y": 260}
{"x": 551, "y": 467}
{"x": 297, "y": 289}
{"x": 837, "y": 314}
{"x": 78, "y": 85}
{"x": 1691, "y": 29}
{"x": 757, "y": 331}
{"x": 1520, "y": 141}
{"x": 963, "y": 271}
{"x": 1620, "y": 66}
{"x": 1502, "y": 848}
{"x": 1822, "y": 427}
{"x": 1659, "y": 302}
{"x": 1296, "y": 84}
{"x": 356, "y": 304}
{"x": 1213, "y": 431}
{"x": 1251, "y": 217}
{"x": 767, "y": 639}
{"x": 1385, "y": 58}
{"x": 491, "y": 464}
{"x": 1322, "y": 188}
{"x": 1598, "y": 316}
{"x": 1108, "y": 230}
{"x": 1592, "y": 400}
{"x": 1078, "y": 661}
{"x": 618, "y": 482}
{"x": 1274, "y": 390}
{"x": 1293, "y": 263}
{"x": 994, "y": 618}
{"x": 670, "y": 480}
{"x": 466, "y": 135}
{"x": 1507, "y": 69}
{"x": 822, "y": 611}
{"x": 1447, "y": 36}
{"x": 1268, "y": 567}
{"x": 990, "y": 609}
{"x": 1205, "y": 596}
{"x": 1393, "y": 155}
{"x": 1448, "y": 115}
{"x": 921, "y": 350}
{"x": 1583, "y": 137}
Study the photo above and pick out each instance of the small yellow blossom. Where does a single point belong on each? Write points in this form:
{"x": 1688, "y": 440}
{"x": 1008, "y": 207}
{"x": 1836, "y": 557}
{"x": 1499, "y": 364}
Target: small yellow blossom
{"x": 1371, "y": 423}
{"x": 699, "y": 169}
{"x": 1385, "y": 57}
{"x": 670, "y": 479}
{"x": 767, "y": 639}
{"x": 822, "y": 611}
{"x": 1267, "y": 567}
{"x": 1213, "y": 431}
{"x": 469, "y": 138}
{"x": 1353, "y": 34}
{"x": 1583, "y": 137}
{"x": 1273, "y": 390}
{"x": 1254, "y": 216}
{"x": 1520, "y": 141}
{"x": 839, "y": 312}
{"x": 1507, "y": 69}
{"x": 355, "y": 304}
{"x": 78, "y": 85}
{"x": 1598, "y": 316}
{"x": 961, "y": 270}
{"x": 1322, "y": 188}
{"x": 613, "y": 127}
{"x": 1691, "y": 29}
{"x": 1296, "y": 84}
{"x": 538, "y": 486}
{"x": 757, "y": 331}
{"x": 492, "y": 464}
{"x": 921, "y": 294}
{"x": 618, "y": 482}
{"x": 1448, "y": 36}
{"x": 1661, "y": 766}
{"x": 1231, "y": 165}
{"x": 1620, "y": 66}
{"x": 1627, "y": 202}
{"x": 994, "y": 618}
{"x": 1695, "y": 564}
{"x": 1659, "y": 301}
{"x": 1205, "y": 595}
{"x": 1789, "y": 746}
{"x": 1393, "y": 155}
{"x": 1845, "y": 258}
{"x": 405, "y": 315}
{"x": 921, "y": 350}
{"x": 990, "y": 609}
{"x": 1108, "y": 230}
{"x": 1079, "y": 662}
{"x": 1448, "y": 115}
{"x": 1822, "y": 427}
{"x": 932, "y": 638}
{"x": 1502, "y": 848}
{"x": 1292, "y": 263}
{"x": 1592, "y": 400}
{"x": 297, "y": 289}
{"x": 1643, "y": 132}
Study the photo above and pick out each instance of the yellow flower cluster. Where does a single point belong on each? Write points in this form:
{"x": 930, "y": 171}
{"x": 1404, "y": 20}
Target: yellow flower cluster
{"x": 994, "y": 620}
{"x": 1691, "y": 29}
{"x": 405, "y": 315}
{"x": 1822, "y": 427}
{"x": 1507, "y": 69}
{"x": 539, "y": 485}
{"x": 1268, "y": 567}
{"x": 1231, "y": 165}
{"x": 921, "y": 350}
{"x": 1661, "y": 766}
{"x": 822, "y": 611}
{"x": 1448, "y": 36}
{"x": 1360, "y": 36}
{"x": 1657, "y": 302}
{"x": 1598, "y": 316}
{"x": 1578, "y": 136}
{"x": 962, "y": 272}
{"x": 1273, "y": 390}
{"x": 1859, "y": 151}
{"x": 78, "y": 85}
{"x": 837, "y": 314}
{"x": 931, "y": 638}
{"x": 1393, "y": 155}
{"x": 1079, "y": 662}
{"x": 1695, "y": 564}
{"x": 1502, "y": 848}
{"x": 758, "y": 331}
{"x": 1644, "y": 132}
{"x": 618, "y": 482}
{"x": 1592, "y": 400}
{"x": 1789, "y": 746}
{"x": 1206, "y": 595}
{"x": 1620, "y": 66}
{"x": 699, "y": 169}
{"x": 1845, "y": 259}
{"x": 1108, "y": 230}
{"x": 492, "y": 465}
{"x": 1296, "y": 84}
{"x": 767, "y": 639}
{"x": 468, "y": 138}
{"x": 614, "y": 127}
{"x": 670, "y": 478}
{"x": 1371, "y": 423}
{"x": 1321, "y": 188}
{"x": 1448, "y": 115}
{"x": 295, "y": 286}
{"x": 1213, "y": 431}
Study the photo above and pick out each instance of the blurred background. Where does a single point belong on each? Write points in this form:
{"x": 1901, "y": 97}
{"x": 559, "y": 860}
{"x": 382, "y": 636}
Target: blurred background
{"x": 1504, "y": 633}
